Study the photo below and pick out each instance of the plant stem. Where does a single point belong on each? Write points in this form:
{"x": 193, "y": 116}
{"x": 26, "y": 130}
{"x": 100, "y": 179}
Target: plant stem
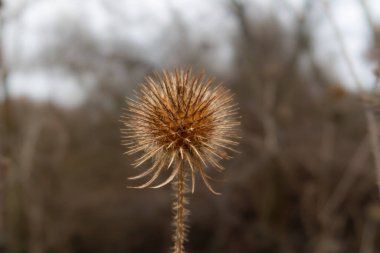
{"x": 179, "y": 210}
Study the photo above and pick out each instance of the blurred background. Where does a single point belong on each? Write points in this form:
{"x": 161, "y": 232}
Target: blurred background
{"x": 302, "y": 72}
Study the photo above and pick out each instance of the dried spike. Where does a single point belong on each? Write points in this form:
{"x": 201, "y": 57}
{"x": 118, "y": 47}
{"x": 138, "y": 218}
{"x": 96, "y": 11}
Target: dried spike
{"x": 147, "y": 172}
{"x": 207, "y": 183}
{"x": 192, "y": 172}
{"x": 199, "y": 155}
{"x": 145, "y": 157}
{"x": 169, "y": 179}
{"x": 154, "y": 177}
{"x": 171, "y": 160}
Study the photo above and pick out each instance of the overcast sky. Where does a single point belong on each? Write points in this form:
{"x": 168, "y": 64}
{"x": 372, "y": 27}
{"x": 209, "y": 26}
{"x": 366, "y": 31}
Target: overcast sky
{"x": 31, "y": 32}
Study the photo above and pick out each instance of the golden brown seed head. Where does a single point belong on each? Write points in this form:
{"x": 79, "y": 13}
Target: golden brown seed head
{"x": 177, "y": 118}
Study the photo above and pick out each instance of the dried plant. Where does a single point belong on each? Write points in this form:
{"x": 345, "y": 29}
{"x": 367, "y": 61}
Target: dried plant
{"x": 183, "y": 123}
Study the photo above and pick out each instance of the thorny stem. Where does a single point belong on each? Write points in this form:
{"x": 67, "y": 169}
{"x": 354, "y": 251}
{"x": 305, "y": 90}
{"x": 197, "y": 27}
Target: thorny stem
{"x": 179, "y": 210}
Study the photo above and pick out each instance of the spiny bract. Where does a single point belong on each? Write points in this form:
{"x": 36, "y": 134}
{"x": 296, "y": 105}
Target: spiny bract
{"x": 179, "y": 118}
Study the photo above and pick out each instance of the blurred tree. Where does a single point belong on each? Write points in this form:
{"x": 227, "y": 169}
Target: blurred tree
{"x": 291, "y": 190}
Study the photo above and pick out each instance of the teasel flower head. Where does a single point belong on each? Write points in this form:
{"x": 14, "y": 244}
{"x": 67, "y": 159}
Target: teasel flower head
{"x": 180, "y": 120}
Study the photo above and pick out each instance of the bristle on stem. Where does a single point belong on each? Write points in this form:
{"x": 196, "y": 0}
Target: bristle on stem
{"x": 179, "y": 210}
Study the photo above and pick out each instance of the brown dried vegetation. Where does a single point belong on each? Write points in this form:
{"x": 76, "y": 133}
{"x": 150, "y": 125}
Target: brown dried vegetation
{"x": 180, "y": 119}
{"x": 184, "y": 124}
{"x": 304, "y": 181}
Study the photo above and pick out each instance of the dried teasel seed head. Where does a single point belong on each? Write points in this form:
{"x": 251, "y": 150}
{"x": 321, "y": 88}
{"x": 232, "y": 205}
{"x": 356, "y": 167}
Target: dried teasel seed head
{"x": 180, "y": 118}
